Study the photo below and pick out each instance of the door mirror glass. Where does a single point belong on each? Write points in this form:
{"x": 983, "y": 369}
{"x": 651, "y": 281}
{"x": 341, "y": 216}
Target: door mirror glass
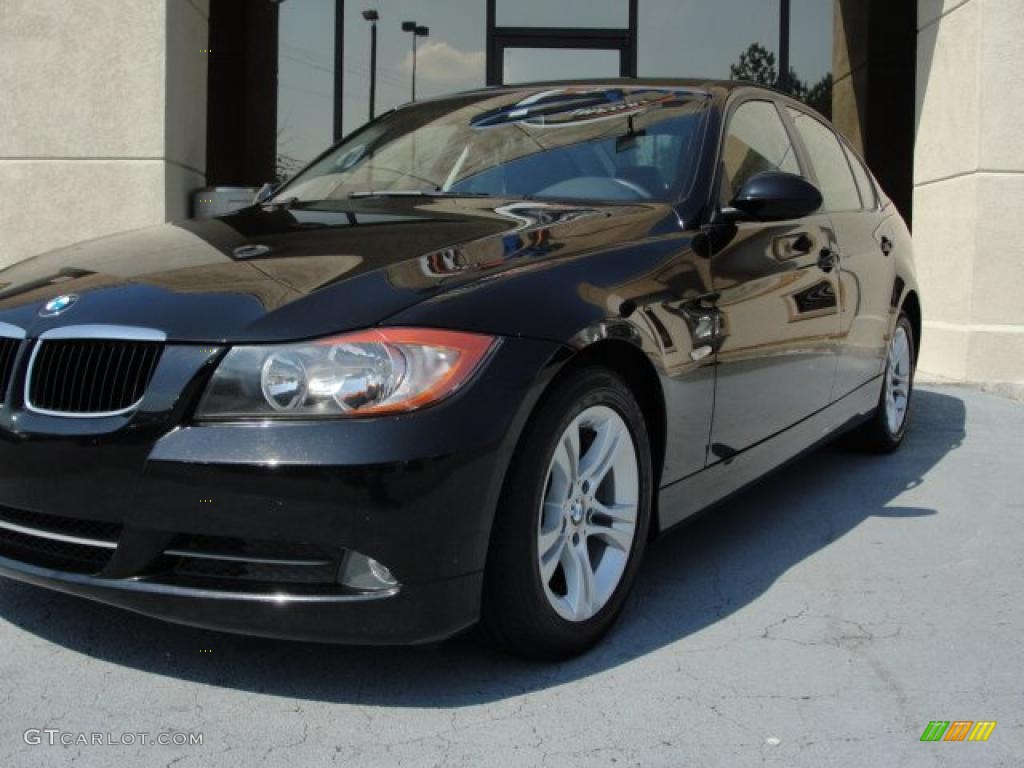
{"x": 774, "y": 196}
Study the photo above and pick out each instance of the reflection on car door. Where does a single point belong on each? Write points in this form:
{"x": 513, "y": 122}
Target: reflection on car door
{"x": 777, "y": 286}
{"x": 865, "y": 272}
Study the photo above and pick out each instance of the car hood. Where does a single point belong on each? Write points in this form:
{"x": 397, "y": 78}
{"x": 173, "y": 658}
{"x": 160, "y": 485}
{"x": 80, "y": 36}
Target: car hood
{"x": 275, "y": 273}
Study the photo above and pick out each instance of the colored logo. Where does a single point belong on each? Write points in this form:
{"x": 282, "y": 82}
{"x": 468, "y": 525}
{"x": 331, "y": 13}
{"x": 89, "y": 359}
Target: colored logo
{"x": 958, "y": 730}
{"x": 58, "y": 306}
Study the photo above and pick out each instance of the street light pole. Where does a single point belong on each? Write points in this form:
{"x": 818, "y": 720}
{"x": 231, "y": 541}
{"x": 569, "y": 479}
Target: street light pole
{"x": 417, "y": 31}
{"x": 372, "y": 16}
{"x": 783, "y": 83}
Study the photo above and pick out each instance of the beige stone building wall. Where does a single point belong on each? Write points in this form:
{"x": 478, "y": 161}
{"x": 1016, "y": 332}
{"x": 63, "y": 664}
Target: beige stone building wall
{"x": 969, "y": 190}
{"x": 103, "y": 121}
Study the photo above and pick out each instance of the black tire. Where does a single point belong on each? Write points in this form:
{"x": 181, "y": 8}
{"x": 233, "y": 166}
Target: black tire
{"x": 875, "y": 435}
{"x": 516, "y": 612}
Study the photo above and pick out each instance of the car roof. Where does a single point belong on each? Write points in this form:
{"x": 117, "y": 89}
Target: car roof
{"x": 691, "y": 84}
{"x": 707, "y": 87}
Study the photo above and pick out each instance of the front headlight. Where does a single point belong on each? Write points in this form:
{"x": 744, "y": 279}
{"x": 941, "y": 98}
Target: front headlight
{"x": 386, "y": 370}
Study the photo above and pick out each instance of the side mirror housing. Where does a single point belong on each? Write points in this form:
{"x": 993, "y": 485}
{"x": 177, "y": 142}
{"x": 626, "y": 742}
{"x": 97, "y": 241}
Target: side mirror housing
{"x": 264, "y": 193}
{"x": 773, "y": 196}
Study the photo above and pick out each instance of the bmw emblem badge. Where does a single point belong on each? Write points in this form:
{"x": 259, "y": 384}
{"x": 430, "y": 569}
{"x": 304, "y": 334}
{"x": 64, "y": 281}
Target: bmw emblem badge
{"x": 58, "y": 306}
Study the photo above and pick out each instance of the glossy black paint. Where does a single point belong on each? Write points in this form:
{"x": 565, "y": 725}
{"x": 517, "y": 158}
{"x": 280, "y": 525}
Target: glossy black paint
{"x": 775, "y": 196}
{"x": 753, "y": 350}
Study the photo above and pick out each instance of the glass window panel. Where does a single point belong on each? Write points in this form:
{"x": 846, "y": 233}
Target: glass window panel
{"x": 834, "y": 177}
{"x": 756, "y": 142}
{"x": 451, "y": 59}
{"x": 603, "y": 14}
{"x": 703, "y": 38}
{"x": 305, "y": 83}
{"x": 524, "y": 65}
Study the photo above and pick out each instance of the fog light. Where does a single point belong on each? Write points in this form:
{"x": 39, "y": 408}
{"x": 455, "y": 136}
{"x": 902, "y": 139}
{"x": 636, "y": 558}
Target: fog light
{"x": 364, "y": 573}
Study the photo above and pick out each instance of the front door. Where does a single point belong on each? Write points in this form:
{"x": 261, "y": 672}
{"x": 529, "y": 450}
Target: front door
{"x": 777, "y": 286}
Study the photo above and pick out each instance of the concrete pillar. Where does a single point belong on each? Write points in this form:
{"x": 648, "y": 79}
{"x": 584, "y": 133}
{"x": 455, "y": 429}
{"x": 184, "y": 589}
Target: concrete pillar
{"x": 873, "y": 89}
{"x": 969, "y": 190}
{"x": 103, "y": 121}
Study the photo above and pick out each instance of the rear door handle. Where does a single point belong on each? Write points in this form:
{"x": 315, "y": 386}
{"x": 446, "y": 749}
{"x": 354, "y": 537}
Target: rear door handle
{"x": 802, "y": 243}
{"x": 827, "y": 259}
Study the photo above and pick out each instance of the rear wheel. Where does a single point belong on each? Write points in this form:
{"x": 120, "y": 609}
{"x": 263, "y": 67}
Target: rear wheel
{"x": 885, "y": 430}
{"x": 573, "y": 520}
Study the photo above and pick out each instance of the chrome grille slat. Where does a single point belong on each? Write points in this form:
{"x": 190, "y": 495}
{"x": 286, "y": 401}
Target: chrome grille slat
{"x": 63, "y": 358}
{"x": 91, "y": 376}
{"x": 131, "y": 362}
{"x": 117, "y": 367}
{"x": 92, "y": 364}
{"x": 81, "y": 381}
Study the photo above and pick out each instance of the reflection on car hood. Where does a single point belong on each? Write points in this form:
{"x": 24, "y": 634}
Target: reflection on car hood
{"x": 274, "y": 273}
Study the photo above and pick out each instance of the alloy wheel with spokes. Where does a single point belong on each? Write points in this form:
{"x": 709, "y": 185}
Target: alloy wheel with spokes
{"x": 572, "y": 524}
{"x": 884, "y": 429}
{"x": 587, "y": 519}
{"x": 897, "y": 380}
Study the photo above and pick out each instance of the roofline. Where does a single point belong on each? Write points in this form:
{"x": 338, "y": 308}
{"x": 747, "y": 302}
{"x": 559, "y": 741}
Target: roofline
{"x": 705, "y": 87}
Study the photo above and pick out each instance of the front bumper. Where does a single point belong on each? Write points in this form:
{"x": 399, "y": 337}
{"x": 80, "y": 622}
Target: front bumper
{"x": 409, "y": 614}
{"x": 414, "y": 492}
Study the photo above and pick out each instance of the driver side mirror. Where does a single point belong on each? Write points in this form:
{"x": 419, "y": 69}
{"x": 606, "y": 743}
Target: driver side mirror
{"x": 773, "y": 196}
{"x": 263, "y": 194}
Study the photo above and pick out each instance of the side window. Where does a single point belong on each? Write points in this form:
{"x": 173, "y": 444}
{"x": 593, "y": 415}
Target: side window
{"x": 837, "y": 185}
{"x": 755, "y": 142}
{"x": 860, "y": 175}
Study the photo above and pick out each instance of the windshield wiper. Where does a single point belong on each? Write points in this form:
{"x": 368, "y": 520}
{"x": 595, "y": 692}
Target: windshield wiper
{"x": 412, "y": 193}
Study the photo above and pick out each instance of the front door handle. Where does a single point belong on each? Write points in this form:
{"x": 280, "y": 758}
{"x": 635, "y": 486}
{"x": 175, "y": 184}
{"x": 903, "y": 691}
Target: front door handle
{"x": 827, "y": 259}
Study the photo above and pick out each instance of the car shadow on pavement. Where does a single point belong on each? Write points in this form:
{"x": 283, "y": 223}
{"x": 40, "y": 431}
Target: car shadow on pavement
{"x": 693, "y": 577}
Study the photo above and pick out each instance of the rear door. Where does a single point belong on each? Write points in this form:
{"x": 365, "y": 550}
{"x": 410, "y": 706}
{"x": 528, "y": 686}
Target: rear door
{"x": 865, "y": 270}
{"x": 777, "y": 296}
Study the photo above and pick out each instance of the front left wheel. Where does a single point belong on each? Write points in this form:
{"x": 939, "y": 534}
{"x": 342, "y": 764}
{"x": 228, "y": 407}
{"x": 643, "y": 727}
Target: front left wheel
{"x": 573, "y": 519}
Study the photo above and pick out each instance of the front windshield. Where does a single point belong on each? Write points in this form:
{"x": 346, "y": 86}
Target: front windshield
{"x": 578, "y": 143}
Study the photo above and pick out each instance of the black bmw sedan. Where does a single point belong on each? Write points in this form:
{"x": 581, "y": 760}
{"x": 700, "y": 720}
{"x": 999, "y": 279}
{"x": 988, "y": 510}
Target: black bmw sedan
{"x": 460, "y": 369}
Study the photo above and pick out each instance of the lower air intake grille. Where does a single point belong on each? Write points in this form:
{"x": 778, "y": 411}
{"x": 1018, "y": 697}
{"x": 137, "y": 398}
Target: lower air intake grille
{"x": 61, "y": 543}
{"x": 8, "y": 351}
{"x": 222, "y": 558}
{"x": 271, "y": 573}
{"x": 90, "y": 376}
